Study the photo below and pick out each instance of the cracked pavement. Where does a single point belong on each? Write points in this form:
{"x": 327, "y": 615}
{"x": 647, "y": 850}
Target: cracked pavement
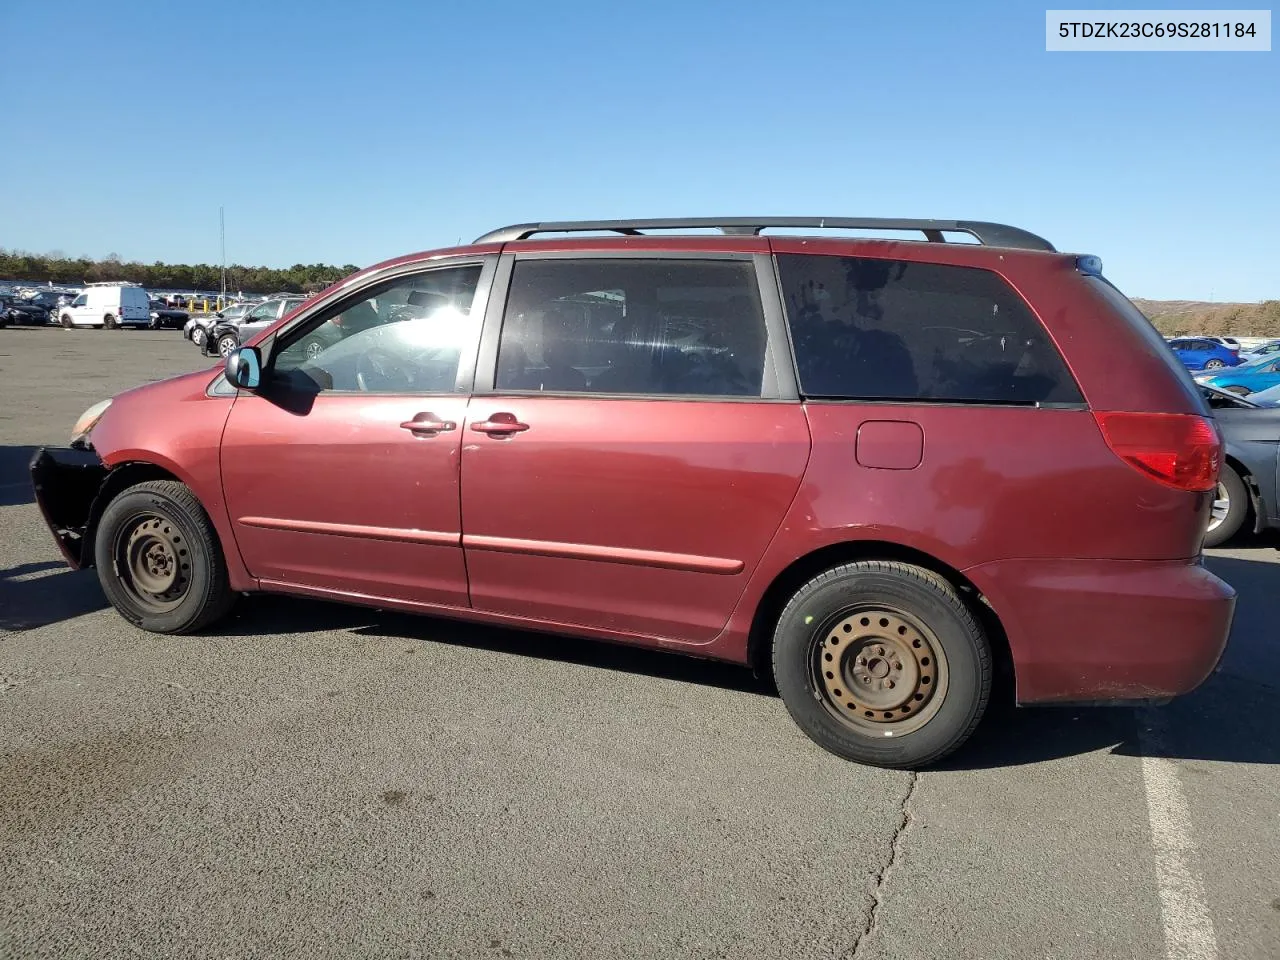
{"x": 321, "y": 781}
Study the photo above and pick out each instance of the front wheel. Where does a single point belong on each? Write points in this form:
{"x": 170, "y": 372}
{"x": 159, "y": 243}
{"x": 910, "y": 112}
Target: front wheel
{"x": 109, "y": 321}
{"x": 66, "y": 320}
{"x": 1230, "y": 508}
{"x": 883, "y": 663}
{"x": 159, "y": 561}
{"x": 227, "y": 343}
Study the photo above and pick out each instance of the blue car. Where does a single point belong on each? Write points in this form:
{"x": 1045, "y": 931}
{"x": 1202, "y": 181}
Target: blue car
{"x": 1201, "y": 354}
{"x": 1248, "y": 378}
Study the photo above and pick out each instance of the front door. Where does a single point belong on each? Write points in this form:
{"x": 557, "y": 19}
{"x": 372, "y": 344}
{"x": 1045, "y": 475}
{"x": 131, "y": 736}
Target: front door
{"x": 341, "y": 474}
{"x": 634, "y": 458}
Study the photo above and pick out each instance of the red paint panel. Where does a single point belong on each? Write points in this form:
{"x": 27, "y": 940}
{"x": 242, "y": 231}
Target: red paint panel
{"x": 338, "y": 495}
{"x": 607, "y": 479}
{"x": 1108, "y": 629}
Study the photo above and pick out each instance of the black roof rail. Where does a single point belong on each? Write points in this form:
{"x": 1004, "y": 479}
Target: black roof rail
{"x": 990, "y": 234}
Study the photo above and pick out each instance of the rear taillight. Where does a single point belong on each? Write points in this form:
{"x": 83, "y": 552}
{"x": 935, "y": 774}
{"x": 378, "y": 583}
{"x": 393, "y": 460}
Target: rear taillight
{"x": 1183, "y": 451}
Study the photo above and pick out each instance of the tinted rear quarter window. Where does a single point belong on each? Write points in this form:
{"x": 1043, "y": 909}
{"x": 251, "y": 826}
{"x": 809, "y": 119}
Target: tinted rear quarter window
{"x": 873, "y": 329}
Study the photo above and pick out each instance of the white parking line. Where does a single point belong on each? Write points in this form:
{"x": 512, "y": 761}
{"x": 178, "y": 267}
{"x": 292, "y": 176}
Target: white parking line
{"x": 1188, "y": 928}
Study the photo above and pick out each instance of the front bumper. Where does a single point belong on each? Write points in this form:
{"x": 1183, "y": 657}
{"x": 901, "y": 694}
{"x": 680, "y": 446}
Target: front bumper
{"x": 67, "y": 481}
{"x": 1108, "y": 630}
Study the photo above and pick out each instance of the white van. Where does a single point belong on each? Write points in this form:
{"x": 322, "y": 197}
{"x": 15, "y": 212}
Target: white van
{"x": 108, "y": 305}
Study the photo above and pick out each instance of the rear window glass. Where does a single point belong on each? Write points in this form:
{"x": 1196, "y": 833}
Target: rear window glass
{"x": 872, "y": 329}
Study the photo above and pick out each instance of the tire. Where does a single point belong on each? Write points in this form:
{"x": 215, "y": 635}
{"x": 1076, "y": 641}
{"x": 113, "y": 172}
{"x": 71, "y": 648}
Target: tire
{"x": 66, "y": 320}
{"x": 1226, "y": 523}
{"x": 162, "y": 522}
{"x": 920, "y": 691}
{"x": 226, "y": 344}
{"x": 198, "y": 337}
{"x": 1214, "y": 364}
{"x": 109, "y": 321}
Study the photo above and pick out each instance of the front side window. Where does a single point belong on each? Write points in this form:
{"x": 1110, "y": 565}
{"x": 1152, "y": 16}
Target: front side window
{"x": 401, "y": 336}
{"x": 264, "y": 311}
{"x": 872, "y": 329}
{"x": 80, "y": 301}
{"x": 651, "y": 327}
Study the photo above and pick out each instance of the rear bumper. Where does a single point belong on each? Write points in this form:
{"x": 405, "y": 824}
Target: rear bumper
{"x": 1101, "y": 630}
{"x": 67, "y": 482}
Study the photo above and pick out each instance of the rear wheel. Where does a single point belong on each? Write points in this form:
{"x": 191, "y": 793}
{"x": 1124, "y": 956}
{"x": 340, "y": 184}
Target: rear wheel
{"x": 882, "y": 663}
{"x": 1230, "y": 508}
{"x": 1214, "y": 365}
{"x": 159, "y": 561}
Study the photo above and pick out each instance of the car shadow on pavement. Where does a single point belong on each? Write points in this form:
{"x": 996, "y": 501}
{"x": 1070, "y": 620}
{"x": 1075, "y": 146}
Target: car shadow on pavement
{"x": 283, "y": 615}
{"x": 1233, "y": 717}
{"x": 15, "y": 478}
{"x": 39, "y": 594}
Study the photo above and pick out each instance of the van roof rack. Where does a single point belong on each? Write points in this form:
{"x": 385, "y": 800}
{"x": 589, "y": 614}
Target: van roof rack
{"x": 113, "y": 283}
{"x": 989, "y": 234}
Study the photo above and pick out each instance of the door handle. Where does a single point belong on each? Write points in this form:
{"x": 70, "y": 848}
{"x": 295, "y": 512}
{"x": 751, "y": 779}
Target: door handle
{"x": 500, "y": 425}
{"x": 427, "y": 425}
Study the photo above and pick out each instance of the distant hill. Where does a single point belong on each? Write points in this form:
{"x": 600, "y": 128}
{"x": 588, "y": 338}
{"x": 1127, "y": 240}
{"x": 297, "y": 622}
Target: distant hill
{"x": 1177, "y": 317}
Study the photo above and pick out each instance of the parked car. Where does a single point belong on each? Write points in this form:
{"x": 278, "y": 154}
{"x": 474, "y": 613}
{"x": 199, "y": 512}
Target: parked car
{"x": 19, "y": 311}
{"x": 227, "y": 334}
{"x": 866, "y": 467}
{"x": 1231, "y": 343}
{"x": 163, "y": 315}
{"x": 198, "y": 326}
{"x": 1201, "y": 353}
{"x": 109, "y": 305}
{"x": 1270, "y": 348}
{"x": 1248, "y": 377}
{"x": 48, "y": 300}
{"x": 1247, "y": 494}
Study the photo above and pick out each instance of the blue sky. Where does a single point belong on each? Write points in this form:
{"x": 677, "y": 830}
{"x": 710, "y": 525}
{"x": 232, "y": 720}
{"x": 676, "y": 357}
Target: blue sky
{"x": 348, "y": 133}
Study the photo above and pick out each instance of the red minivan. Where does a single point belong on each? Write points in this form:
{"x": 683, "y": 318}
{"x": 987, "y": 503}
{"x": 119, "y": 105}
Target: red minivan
{"x": 880, "y": 470}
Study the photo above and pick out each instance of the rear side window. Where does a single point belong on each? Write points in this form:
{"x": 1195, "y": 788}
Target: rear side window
{"x": 872, "y": 329}
{"x": 650, "y": 327}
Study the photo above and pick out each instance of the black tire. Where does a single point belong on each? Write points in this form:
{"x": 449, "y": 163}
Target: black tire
{"x": 226, "y": 344}
{"x": 109, "y": 321}
{"x": 66, "y": 321}
{"x": 198, "y": 337}
{"x": 1237, "y": 496}
{"x": 944, "y": 695}
{"x": 202, "y": 593}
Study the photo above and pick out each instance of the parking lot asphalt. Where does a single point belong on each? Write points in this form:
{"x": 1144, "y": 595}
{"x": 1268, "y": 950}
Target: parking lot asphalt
{"x": 315, "y": 780}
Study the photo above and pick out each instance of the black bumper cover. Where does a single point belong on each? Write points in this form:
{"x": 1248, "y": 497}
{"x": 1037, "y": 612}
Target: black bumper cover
{"x": 67, "y": 481}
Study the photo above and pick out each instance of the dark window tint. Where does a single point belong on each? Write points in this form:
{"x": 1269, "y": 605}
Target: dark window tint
{"x": 676, "y": 327}
{"x": 897, "y": 330}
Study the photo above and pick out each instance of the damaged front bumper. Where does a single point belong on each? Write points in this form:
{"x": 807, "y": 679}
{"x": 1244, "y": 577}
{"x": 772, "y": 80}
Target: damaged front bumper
{"x": 67, "y": 481}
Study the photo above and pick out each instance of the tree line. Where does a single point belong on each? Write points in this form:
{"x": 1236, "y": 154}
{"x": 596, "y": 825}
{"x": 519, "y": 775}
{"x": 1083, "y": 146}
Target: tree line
{"x": 299, "y": 278}
{"x": 1176, "y": 318}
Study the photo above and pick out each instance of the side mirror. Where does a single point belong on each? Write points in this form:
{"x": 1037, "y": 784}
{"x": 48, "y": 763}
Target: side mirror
{"x": 244, "y": 368}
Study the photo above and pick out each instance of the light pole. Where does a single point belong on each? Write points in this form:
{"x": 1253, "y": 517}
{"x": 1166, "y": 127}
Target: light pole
{"x": 222, "y": 241}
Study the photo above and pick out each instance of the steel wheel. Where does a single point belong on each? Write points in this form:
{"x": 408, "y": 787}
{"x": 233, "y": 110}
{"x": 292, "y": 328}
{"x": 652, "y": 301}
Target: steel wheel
{"x": 880, "y": 669}
{"x": 152, "y": 562}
